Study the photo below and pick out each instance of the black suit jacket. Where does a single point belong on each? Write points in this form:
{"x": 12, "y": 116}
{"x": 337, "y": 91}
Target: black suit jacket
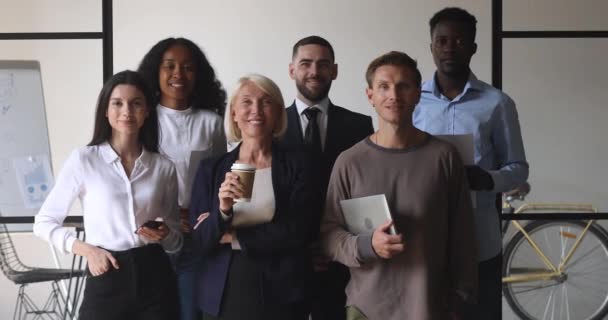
{"x": 344, "y": 129}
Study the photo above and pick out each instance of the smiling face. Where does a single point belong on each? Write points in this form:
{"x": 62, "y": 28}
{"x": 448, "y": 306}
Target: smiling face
{"x": 394, "y": 93}
{"x": 127, "y": 110}
{"x": 313, "y": 69}
{"x": 176, "y": 77}
{"x": 452, "y": 46}
{"x": 254, "y": 112}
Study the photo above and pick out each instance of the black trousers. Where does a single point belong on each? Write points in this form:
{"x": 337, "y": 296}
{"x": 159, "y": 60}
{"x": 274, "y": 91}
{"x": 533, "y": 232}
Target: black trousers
{"x": 144, "y": 287}
{"x": 242, "y": 299}
{"x": 329, "y": 296}
{"x": 489, "y": 304}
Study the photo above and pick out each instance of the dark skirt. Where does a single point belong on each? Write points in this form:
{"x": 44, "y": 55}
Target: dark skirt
{"x": 243, "y": 296}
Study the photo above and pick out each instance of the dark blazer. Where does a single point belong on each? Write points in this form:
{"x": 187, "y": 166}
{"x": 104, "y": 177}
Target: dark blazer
{"x": 344, "y": 129}
{"x": 280, "y": 246}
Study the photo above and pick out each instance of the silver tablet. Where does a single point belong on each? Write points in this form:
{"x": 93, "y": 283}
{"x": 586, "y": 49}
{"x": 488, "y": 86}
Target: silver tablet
{"x": 366, "y": 214}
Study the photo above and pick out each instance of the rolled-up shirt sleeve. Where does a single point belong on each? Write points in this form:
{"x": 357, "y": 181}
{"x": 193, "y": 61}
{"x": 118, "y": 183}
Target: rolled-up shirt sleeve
{"x": 48, "y": 223}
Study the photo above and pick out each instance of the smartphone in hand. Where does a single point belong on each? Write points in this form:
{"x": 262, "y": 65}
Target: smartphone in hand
{"x": 152, "y": 224}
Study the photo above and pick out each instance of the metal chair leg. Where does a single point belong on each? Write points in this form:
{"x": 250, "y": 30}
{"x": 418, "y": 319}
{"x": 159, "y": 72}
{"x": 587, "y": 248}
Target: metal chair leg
{"x": 17, "y": 312}
{"x": 52, "y": 309}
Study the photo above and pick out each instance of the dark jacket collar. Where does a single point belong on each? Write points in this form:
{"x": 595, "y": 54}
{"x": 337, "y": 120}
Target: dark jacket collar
{"x": 234, "y": 153}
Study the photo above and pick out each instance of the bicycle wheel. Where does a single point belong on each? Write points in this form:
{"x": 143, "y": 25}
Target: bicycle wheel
{"x": 580, "y": 293}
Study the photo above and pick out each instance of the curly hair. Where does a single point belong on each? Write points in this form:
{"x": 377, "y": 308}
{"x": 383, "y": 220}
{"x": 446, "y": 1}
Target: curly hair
{"x": 207, "y": 93}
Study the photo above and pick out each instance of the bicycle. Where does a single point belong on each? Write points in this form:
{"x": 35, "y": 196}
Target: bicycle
{"x": 555, "y": 269}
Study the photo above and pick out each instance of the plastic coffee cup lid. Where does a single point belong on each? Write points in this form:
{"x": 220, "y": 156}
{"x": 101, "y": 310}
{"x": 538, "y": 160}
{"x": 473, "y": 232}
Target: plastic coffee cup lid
{"x": 242, "y": 166}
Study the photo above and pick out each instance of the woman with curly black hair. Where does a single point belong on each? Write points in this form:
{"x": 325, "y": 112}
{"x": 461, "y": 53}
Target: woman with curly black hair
{"x": 207, "y": 91}
{"x": 190, "y": 102}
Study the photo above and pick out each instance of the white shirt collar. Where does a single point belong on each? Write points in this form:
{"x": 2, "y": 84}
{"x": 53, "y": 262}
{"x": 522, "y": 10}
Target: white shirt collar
{"x": 162, "y": 109}
{"x": 109, "y": 155}
{"x": 322, "y": 105}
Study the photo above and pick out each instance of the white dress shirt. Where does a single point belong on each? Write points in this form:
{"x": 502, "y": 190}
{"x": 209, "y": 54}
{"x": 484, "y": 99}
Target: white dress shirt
{"x": 114, "y": 205}
{"x": 323, "y": 106}
{"x": 189, "y": 135}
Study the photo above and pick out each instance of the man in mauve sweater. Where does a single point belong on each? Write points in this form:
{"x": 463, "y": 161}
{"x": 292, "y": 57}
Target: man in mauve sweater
{"x": 428, "y": 270}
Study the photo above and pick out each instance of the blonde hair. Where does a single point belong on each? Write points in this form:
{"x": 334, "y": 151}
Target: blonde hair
{"x": 233, "y": 133}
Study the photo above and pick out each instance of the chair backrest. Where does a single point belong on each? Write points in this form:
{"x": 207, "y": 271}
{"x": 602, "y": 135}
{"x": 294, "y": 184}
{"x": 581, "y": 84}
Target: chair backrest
{"x": 9, "y": 260}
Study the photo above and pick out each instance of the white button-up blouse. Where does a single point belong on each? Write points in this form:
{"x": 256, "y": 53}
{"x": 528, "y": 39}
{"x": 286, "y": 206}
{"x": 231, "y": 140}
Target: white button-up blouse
{"x": 114, "y": 205}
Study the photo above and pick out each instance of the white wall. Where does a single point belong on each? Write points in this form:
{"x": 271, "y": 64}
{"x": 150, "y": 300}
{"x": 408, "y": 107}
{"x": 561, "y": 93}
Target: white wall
{"x": 560, "y": 92}
{"x": 257, "y": 36}
{"x": 559, "y": 86}
{"x": 561, "y": 112}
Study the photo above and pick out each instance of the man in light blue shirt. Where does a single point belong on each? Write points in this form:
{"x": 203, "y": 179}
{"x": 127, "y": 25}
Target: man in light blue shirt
{"x": 454, "y": 101}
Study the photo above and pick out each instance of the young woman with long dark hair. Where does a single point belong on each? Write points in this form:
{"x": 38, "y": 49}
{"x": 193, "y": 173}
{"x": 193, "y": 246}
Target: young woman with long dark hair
{"x": 122, "y": 182}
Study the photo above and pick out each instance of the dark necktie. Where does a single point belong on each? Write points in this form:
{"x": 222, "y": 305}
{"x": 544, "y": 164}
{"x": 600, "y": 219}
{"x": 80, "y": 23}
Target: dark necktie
{"x": 312, "y": 135}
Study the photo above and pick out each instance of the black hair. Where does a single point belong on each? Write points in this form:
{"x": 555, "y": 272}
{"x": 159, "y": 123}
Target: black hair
{"x": 393, "y": 58}
{"x": 454, "y": 14}
{"x": 313, "y": 40}
{"x": 148, "y": 133}
{"x": 207, "y": 92}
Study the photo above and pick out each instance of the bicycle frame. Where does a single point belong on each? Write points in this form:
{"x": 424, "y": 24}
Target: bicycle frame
{"x": 553, "y": 271}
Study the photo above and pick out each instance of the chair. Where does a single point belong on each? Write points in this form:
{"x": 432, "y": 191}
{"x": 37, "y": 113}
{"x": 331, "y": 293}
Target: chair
{"x": 22, "y": 275}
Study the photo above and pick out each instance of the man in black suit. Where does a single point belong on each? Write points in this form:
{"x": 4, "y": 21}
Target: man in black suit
{"x": 317, "y": 125}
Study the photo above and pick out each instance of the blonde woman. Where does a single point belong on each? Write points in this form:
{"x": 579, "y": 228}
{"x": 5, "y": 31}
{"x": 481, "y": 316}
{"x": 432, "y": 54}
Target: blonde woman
{"x": 255, "y": 259}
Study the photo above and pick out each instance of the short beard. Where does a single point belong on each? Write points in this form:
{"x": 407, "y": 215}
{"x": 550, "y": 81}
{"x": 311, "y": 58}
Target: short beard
{"x": 311, "y": 96}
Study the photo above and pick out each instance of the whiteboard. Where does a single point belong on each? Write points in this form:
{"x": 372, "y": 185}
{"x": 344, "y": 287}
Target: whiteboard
{"x": 25, "y": 167}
